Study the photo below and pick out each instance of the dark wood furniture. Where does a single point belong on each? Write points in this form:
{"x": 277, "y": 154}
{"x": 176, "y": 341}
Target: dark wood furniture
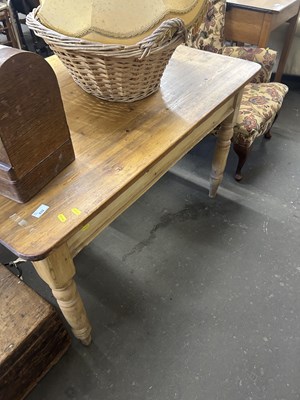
{"x": 35, "y": 143}
{"x": 32, "y": 337}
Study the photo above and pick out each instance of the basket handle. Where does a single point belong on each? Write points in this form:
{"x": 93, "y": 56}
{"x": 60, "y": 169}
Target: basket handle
{"x": 162, "y": 35}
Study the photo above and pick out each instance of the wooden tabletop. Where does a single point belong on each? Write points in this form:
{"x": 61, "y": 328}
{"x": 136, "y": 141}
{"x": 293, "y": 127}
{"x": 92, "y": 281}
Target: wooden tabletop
{"x": 115, "y": 143}
{"x": 271, "y": 6}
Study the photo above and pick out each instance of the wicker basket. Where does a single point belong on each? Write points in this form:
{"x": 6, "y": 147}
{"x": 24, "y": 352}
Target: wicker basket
{"x": 115, "y": 72}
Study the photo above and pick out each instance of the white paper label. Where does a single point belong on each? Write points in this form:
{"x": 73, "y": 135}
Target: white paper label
{"x": 40, "y": 211}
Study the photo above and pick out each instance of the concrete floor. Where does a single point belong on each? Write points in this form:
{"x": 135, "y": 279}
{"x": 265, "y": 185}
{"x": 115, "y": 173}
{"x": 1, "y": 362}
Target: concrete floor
{"x": 192, "y": 298}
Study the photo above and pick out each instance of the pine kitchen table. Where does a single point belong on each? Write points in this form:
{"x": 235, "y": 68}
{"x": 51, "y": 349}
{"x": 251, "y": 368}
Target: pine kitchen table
{"x": 121, "y": 150}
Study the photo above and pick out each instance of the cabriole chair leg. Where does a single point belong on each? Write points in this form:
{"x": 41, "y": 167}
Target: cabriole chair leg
{"x": 242, "y": 153}
{"x": 268, "y": 134}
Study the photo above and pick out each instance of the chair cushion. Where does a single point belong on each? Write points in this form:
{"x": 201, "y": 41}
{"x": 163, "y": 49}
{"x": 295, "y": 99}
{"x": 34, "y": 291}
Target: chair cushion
{"x": 259, "y": 106}
{"x": 265, "y": 57}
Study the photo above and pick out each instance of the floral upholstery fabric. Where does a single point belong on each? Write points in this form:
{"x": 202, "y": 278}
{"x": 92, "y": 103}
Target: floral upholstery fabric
{"x": 209, "y": 34}
{"x": 265, "y": 57}
{"x": 261, "y": 100}
{"x": 259, "y": 106}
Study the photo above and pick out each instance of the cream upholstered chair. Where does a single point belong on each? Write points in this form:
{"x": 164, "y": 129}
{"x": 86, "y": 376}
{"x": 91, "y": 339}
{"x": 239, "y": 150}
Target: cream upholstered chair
{"x": 261, "y": 100}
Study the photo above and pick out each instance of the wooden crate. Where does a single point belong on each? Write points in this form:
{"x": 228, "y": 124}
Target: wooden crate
{"x": 32, "y": 337}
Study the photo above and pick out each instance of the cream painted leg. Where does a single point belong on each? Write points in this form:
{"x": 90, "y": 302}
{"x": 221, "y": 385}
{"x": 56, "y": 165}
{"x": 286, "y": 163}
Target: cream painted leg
{"x": 222, "y": 148}
{"x": 220, "y": 156}
{"x": 58, "y": 270}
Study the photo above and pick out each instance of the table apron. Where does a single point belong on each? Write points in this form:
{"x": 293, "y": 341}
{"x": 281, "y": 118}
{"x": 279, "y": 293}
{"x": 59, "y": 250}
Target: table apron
{"x": 254, "y": 27}
{"x": 243, "y": 25}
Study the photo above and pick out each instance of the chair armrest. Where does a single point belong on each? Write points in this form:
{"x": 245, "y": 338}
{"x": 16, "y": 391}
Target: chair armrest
{"x": 265, "y": 57}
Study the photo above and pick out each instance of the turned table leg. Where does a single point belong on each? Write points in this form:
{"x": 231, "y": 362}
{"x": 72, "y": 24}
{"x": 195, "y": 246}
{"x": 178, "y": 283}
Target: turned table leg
{"x": 220, "y": 156}
{"x": 224, "y": 136}
{"x": 58, "y": 270}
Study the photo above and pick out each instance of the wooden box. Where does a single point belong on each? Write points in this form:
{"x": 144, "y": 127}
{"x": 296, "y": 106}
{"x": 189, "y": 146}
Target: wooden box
{"x": 35, "y": 142}
{"x": 32, "y": 337}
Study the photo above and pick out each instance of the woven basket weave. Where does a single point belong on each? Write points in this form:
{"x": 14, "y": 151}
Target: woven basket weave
{"x": 115, "y": 72}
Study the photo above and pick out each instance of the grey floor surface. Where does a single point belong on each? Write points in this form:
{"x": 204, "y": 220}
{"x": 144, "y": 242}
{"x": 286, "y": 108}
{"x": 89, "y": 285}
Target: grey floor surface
{"x": 192, "y": 298}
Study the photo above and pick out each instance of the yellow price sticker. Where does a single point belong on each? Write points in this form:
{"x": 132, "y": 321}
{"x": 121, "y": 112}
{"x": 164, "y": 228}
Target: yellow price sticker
{"x": 76, "y": 211}
{"x": 62, "y": 217}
